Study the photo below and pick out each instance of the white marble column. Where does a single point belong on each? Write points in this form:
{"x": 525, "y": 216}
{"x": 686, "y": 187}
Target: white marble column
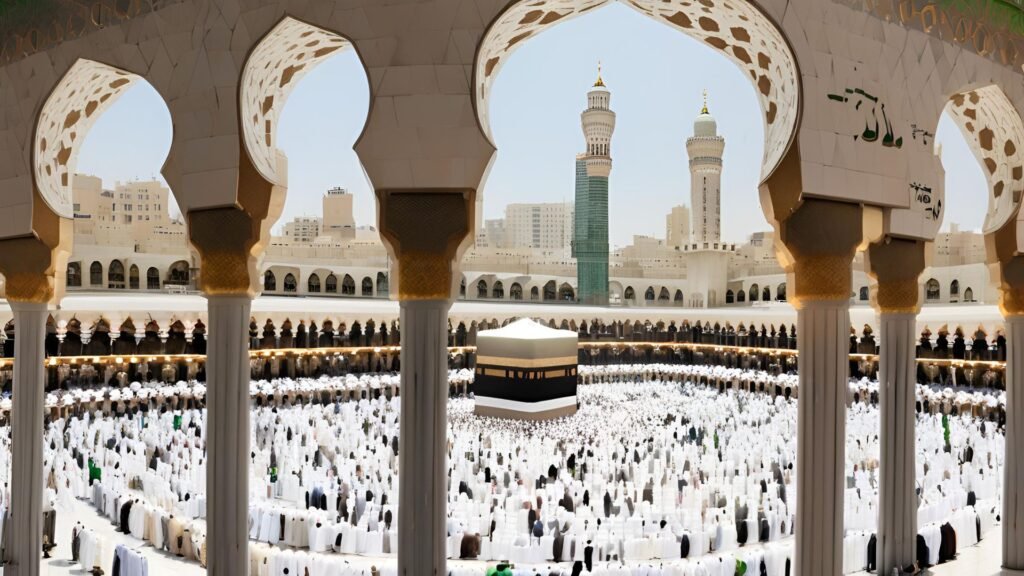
{"x": 25, "y": 541}
{"x": 227, "y": 435}
{"x": 423, "y": 476}
{"x": 1013, "y": 471}
{"x": 823, "y": 343}
{"x": 897, "y": 508}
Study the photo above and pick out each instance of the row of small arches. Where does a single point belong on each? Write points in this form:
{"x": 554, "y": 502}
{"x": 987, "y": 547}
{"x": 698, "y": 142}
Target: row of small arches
{"x": 551, "y": 291}
{"x": 932, "y": 292}
{"x": 756, "y": 293}
{"x": 179, "y": 274}
{"x": 329, "y": 285}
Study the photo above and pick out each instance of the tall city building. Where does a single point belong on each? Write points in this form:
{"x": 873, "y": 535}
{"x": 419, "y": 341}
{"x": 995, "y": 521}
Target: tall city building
{"x": 492, "y": 234}
{"x": 338, "y": 221}
{"x": 677, "y": 226}
{"x": 303, "y": 229}
{"x": 705, "y": 148}
{"x": 141, "y": 205}
{"x": 590, "y": 238}
{"x": 546, "y": 226}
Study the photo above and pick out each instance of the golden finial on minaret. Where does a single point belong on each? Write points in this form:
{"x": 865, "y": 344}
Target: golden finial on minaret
{"x": 704, "y": 110}
{"x": 600, "y": 82}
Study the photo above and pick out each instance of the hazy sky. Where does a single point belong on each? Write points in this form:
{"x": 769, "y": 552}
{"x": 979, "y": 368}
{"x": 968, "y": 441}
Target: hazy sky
{"x": 655, "y": 75}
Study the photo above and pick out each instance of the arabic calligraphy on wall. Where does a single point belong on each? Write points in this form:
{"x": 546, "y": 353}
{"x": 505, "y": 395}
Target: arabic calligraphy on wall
{"x": 926, "y": 202}
{"x": 873, "y": 126}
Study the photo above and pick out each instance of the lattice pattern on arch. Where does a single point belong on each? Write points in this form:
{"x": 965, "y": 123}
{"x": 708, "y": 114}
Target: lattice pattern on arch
{"x": 735, "y": 27}
{"x": 289, "y": 51}
{"x": 82, "y": 95}
{"x": 993, "y": 129}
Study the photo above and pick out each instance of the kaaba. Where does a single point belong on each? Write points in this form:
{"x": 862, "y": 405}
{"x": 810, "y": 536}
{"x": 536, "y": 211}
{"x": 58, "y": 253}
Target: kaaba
{"x": 526, "y": 370}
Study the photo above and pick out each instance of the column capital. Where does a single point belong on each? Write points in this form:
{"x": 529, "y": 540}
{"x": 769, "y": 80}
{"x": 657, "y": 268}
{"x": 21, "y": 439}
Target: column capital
{"x": 426, "y": 230}
{"x": 819, "y": 240}
{"x": 34, "y": 270}
{"x": 231, "y": 240}
{"x": 227, "y": 240}
{"x": 896, "y": 264}
{"x": 1011, "y": 286}
{"x": 34, "y": 266}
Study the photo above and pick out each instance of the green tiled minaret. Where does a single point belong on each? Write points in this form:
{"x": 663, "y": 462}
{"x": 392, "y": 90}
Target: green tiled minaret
{"x": 590, "y": 237}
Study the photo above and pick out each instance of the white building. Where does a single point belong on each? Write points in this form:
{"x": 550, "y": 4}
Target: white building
{"x": 545, "y": 226}
{"x": 705, "y": 149}
{"x": 492, "y": 234}
{"x": 338, "y": 220}
{"x": 677, "y": 226}
{"x": 303, "y": 229}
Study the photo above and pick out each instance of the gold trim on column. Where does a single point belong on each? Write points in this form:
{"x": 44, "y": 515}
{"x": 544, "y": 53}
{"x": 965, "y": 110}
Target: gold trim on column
{"x": 820, "y": 238}
{"x": 1006, "y": 267}
{"x": 1011, "y": 286}
{"x": 424, "y": 229}
{"x": 896, "y": 264}
{"x": 31, "y": 265}
{"x": 823, "y": 277}
{"x": 231, "y": 240}
{"x": 224, "y": 238}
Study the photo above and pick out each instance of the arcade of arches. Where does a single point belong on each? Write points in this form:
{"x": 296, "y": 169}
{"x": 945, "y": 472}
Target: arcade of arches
{"x": 823, "y": 71}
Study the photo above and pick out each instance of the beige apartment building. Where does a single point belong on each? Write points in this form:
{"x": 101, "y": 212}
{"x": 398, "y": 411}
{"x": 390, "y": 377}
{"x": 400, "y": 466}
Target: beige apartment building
{"x": 126, "y": 238}
{"x": 303, "y": 229}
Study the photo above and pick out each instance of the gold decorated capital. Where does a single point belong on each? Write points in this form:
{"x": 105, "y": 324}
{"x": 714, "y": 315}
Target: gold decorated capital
{"x": 231, "y": 240}
{"x": 224, "y": 239}
{"x": 1007, "y": 267}
{"x": 1011, "y": 286}
{"x": 896, "y": 264}
{"x": 822, "y": 277}
{"x": 818, "y": 241}
{"x": 34, "y": 266}
{"x": 425, "y": 229}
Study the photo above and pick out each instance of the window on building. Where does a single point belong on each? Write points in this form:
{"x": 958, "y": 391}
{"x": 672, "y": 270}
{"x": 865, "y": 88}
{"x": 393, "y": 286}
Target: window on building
{"x": 115, "y": 275}
{"x": 152, "y": 279}
{"x": 348, "y": 286}
{"x": 74, "y": 274}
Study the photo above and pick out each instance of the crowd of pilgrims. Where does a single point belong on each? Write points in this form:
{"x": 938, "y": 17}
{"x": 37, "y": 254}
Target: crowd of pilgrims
{"x": 664, "y": 470}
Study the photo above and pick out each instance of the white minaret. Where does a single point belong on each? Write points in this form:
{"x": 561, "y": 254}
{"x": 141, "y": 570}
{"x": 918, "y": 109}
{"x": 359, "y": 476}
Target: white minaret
{"x": 705, "y": 148}
{"x": 598, "y": 123}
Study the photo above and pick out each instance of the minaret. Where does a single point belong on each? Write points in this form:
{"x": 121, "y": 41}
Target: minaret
{"x": 590, "y": 238}
{"x": 705, "y": 148}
